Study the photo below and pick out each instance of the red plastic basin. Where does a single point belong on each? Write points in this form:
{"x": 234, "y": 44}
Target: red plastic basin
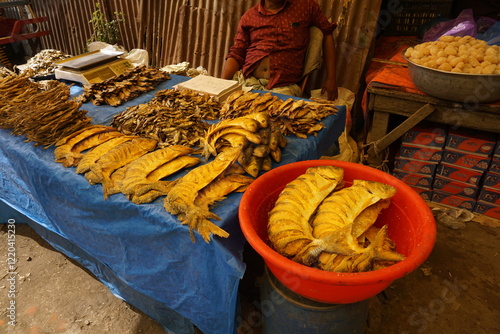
{"x": 410, "y": 224}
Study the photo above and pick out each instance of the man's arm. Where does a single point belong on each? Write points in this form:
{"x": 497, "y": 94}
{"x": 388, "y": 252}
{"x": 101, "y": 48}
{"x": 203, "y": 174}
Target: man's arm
{"x": 330, "y": 84}
{"x": 230, "y": 67}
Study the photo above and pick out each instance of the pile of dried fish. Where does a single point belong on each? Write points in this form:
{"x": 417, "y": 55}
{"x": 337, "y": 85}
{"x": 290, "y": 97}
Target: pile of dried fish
{"x": 203, "y": 105}
{"x": 254, "y": 134}
{"x": 142, "y": 181}
{"x": 135, "y": 167}
{"x": 42, "y": 116}
{"x": 43, "y": 63}
{"x": 69, "y": 149}
{"x": 172, "y": 118}
{"x": 302, "y": 117}
{"x": 298, "y": 117}
{"x": 316, "y": 224}
{"x": 124, "y": 87}
{"x": 192, "y": 194}
{"x": 100, "y": 152}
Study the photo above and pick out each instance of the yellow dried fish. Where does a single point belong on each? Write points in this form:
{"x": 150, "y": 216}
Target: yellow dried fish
{"x": 180, "y": 199}
{"x": 173, "y": 167}
{"x": 288, "y": 227}
{"x": 348, "y": 236}
{"x": 118, "y": 157}
{"x": 70, "y": 155}
{"x": 221, "y": 187}
{"x": 139, "y": 169}
{"x": 90, "y": 158}
{"x": 342, "y": 207}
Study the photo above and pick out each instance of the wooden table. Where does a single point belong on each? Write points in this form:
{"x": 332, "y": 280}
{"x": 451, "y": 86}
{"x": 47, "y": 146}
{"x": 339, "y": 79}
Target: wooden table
{"x": 384, "y": 102}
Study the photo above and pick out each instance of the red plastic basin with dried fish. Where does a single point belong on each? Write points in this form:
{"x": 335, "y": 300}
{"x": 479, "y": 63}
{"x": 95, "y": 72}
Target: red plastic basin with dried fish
{"x": 411, "y": 226}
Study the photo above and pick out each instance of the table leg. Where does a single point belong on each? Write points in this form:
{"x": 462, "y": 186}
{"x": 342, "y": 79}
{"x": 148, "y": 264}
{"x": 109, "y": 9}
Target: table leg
{"x": 377, "y": 131}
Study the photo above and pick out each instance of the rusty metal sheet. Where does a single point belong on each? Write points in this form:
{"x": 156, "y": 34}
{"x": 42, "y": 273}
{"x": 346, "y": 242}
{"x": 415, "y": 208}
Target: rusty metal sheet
{"x": 201, "y": 31}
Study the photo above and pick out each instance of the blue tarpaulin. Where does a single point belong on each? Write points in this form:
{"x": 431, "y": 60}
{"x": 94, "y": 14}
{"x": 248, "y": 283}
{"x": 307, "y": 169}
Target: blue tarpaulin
{"x": 140, "y": 252}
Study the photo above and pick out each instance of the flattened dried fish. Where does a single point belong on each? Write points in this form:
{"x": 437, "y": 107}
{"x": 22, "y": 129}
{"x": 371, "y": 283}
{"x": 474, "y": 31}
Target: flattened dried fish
{"x": 180, "y": 199}
{"x": 118, "y": 157}
{"x": 124, "y": 87}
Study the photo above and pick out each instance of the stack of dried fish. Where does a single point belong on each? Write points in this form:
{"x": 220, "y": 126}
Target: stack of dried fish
{"x": 42, "y": 116}
{"x": 316, "y": 224}
{"x": 242, "y": 103}
{"x": 43, "y": 63}
{"x": 172, "y": 118}
{"x": 69, "y": 149}
{"x": 253, "y": 134}
{"x": 142, "y": 181}
{"x": 124, "y": 87}
{"x": 298, "y": 117}
{"x": 135, "y": 167}
{"x": 302, "y": 117}
{"x": 203, "y": 105}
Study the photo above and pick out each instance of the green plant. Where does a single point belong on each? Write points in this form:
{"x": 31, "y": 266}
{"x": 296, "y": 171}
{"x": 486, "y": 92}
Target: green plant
{"x": 104, "y": 30}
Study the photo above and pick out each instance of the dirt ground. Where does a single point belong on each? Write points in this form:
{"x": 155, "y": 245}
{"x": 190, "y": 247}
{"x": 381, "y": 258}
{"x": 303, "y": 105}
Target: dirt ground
{"x": 455, "y": 291}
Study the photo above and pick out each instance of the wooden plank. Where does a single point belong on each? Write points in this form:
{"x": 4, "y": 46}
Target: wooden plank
{"x": 474, "y": 119}
{"x": 409, "y": 123}
{"x": 411, "y": 97}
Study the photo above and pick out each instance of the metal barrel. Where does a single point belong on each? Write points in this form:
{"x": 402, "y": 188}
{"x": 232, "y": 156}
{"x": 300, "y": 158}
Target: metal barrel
{"x": 285, "y": 312}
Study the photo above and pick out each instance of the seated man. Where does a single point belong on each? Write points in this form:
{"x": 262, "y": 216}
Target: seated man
{"x": 271, "y": 43}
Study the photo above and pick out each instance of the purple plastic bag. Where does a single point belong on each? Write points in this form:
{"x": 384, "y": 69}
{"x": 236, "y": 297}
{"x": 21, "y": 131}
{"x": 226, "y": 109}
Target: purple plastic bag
{"x": 463, "y": 25}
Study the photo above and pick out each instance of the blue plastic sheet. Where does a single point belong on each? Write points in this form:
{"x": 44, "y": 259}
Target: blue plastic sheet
{"x": 140, "y": 252}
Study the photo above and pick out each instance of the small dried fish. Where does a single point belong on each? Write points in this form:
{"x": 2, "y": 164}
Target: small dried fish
{"x": 51, "y": 115}
{"x": 172, "y": 117}
{"x": 294, "y": 116}
{"x": 123, "y": 87}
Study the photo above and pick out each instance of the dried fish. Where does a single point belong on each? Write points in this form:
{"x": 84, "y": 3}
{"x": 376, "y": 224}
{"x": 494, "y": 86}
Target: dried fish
{"x": 43, "y": 63}
{"x": 316, "y": 224}
{"x": 172, "y": 117}
{"x": 43, "y": 115}
{"x": 181, "y": 198}
{"x": 69, "y": 152}
{"x": 124, "y": 87}
{"x": 118, "y": 157}
{"x": 294, "y": 116}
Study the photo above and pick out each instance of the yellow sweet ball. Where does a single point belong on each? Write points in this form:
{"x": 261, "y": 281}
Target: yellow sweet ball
{"x": 489, "y": 69}
{"x": 445, "y": 67}
{"x": 460, "y": 65}
{"x": 447, "y": 38}
{"x": 408, "y": 52}
{"x": 485, "y": 64}
{"x": 433, "y": 50}
{"x": 457, "y": 54}
{"x": 491, "y": 58}
{"x": 473, "y": 61}
{"x": 441, "y": 60}
{"x": 450, "y": 50}
{"x": 453, "y": 62}
{"x": 416, "y": 54}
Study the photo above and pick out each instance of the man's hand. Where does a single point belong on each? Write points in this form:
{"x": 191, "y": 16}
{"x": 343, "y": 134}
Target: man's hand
{"x": 330, "y": 89}
{"x": 231, "y": 66}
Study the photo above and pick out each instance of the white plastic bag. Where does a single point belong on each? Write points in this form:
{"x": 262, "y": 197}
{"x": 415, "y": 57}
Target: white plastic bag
{"x": 138, "y": 57}
{"x": 349, "y": 150}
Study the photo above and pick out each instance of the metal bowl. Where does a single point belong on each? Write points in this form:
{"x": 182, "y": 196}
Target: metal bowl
{"x": 458, "y": 87}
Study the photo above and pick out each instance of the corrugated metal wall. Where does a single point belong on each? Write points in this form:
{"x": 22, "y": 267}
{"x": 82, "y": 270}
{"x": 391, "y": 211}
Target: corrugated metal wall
{"x": 199, "y": 31}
